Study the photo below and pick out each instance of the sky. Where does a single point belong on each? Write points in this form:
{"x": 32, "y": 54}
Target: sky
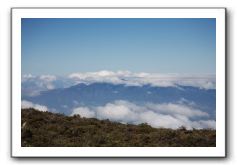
{"x": 61, "y": 46}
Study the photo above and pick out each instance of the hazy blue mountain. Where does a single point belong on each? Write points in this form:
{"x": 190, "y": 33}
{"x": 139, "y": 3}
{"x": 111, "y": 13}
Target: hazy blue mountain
{"x": 98, "y": 94}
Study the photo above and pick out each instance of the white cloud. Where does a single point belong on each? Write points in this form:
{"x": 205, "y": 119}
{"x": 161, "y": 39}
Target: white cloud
{"x": 33, "y": 85}
{"x": 47, "y": 81}
{"x": 48, "y": 78}
{"x": 155, "y": 79}
{"x": 27, "y": 76}
{"x": 161, "y": 120}
{"x": 117, "y": 111}
{"x": 83, "y": 112}
{"x": 205, "y": 123}
{"x": 173, "y": 109}
{"x": 27, "y": 104}
{"x": 168, "y": 115}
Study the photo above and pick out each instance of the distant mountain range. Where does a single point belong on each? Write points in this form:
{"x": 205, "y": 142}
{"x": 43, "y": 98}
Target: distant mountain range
{"x": 98, "y": 94}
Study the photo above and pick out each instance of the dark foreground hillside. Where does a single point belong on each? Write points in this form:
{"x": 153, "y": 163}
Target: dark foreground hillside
{"x": 45, "y": 129}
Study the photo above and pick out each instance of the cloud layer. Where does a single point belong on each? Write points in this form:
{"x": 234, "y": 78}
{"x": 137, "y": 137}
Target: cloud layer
{"x": 33, "y": 85}
{"x": 166, "y": 115}
{"x": 27, "y": 104}
{"x": 155, "y": 79}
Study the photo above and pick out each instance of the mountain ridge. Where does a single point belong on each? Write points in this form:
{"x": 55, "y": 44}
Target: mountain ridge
{"x": 46, "y": 129}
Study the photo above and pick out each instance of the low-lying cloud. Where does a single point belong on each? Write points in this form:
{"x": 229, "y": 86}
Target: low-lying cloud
{"x": 84, "y": 112}
{"x": 166, "y": 115}
{"x": 33, "y": 85}
{"x": 27, "y": 104}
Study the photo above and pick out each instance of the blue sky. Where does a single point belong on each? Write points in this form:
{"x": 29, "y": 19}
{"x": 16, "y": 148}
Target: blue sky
{"x": 63, "y": 46}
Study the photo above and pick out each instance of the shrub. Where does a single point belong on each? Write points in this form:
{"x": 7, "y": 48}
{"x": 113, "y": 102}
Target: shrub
{"x": 45, "y": 129}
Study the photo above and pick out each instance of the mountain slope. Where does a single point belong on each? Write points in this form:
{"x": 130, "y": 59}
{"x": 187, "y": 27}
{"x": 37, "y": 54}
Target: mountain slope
{"x": 45, "y": 129}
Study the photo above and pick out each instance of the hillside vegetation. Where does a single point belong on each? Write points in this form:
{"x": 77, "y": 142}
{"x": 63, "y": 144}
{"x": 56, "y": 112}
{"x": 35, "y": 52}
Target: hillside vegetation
{"x": 45, "y": 129}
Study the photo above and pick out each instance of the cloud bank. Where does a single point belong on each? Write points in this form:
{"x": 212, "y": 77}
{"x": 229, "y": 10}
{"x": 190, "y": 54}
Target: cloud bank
{"x": 27, "y": 104}
{"x": 166, "y": 115}
{"x": 33, "y": 85}
{"x": 142, "y": 78}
